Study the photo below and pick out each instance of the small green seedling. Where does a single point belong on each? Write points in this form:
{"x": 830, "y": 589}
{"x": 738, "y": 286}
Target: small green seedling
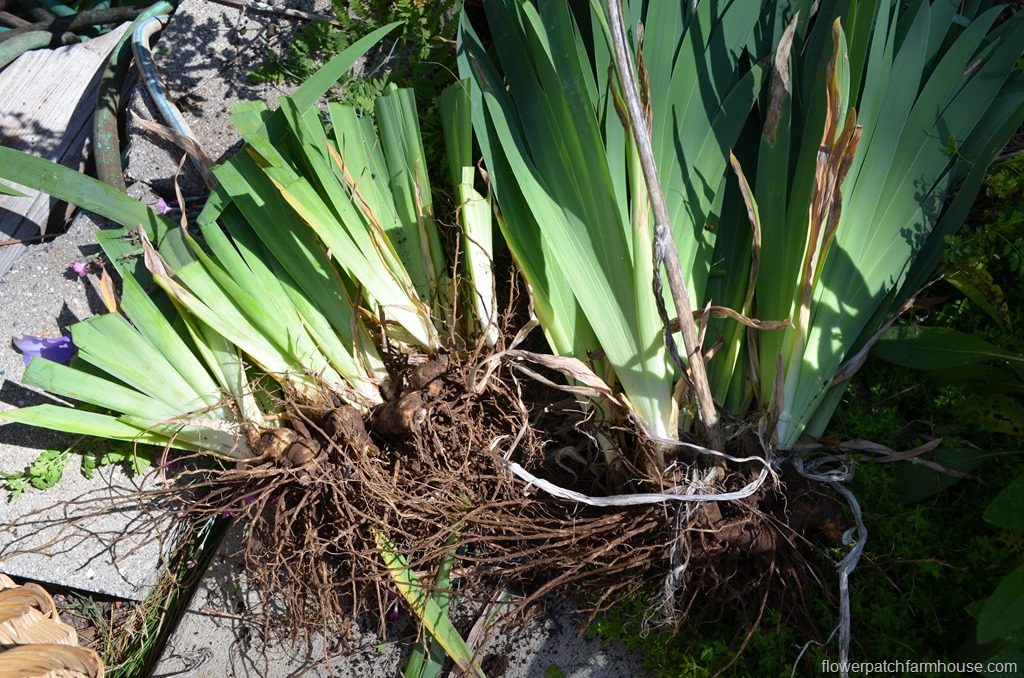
{"x": 42, "y": 474}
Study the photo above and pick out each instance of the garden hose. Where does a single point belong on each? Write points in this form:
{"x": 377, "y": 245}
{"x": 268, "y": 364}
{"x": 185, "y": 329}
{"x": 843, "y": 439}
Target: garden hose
{"x": 82, "y": 20}
{"x": 172, "y": 116}
{"x": 106, "y": 140}
{"x": 10, "y": 21}
{"x": 19, "y": 44}
{"x": 57, "y": 8}
{"x": 38, "y": 27}
{"x": 35, "y": 11}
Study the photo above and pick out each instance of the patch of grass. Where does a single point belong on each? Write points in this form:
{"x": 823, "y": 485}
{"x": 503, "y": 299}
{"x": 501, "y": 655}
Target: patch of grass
{"x": 703, "y": 652}
{"x": 925, "y": 563}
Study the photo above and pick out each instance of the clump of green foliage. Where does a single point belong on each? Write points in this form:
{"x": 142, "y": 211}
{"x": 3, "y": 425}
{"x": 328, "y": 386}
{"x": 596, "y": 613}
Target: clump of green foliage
{"x": 978, "y": 257}
{"x": 990, "y": 251}
{"x": 421, "y": 49}
{"x": 416, "y": 56}
{"x": 934, "y": 555}
{"x": 311, "y": 44}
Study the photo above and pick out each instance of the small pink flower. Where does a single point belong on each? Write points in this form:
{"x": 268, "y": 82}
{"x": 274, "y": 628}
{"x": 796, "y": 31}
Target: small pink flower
{"x": 80, "y": 269}
{"x": 162, "y": 207}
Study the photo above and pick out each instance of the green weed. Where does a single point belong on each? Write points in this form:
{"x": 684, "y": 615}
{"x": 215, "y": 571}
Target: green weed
{"x": 48, "y": 468}
{"x": 43, "y": 473}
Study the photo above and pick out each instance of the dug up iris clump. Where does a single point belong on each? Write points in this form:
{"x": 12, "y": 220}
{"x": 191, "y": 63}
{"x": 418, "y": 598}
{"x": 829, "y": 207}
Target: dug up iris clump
{"x": 338, "y": 351}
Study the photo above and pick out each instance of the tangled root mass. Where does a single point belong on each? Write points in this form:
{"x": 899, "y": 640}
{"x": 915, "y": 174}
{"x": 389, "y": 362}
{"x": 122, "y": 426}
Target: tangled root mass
{"x": 431, "y": 463}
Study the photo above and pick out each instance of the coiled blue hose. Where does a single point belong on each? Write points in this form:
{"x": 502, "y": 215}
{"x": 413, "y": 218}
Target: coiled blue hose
{"x": 168, "y": 111}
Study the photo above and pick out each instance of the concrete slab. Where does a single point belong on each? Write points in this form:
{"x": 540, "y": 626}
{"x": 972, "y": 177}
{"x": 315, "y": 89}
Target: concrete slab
{"x": 86, "y": 546}
{"x": 204, "y": 57}
{"x": 221, "y": 635}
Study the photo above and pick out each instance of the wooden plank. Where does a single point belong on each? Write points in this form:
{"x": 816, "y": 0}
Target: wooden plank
{"x": 47, "y": 99}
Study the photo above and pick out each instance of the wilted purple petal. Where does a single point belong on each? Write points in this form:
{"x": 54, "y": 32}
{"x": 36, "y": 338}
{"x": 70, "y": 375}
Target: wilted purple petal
{"x": 391, "y": 596}
{"x": 80, "y": 269}
{"x": 170, "y": 467}
{"x": 162, "y": 207}
{"x": 59, "y": 350}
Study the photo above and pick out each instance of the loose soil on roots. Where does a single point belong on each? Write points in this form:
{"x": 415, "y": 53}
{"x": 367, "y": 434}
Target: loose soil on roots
{"x": 431, "y": 463}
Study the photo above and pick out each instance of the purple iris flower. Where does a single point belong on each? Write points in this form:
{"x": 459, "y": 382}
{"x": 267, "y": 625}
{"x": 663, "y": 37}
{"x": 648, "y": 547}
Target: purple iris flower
{"x": 59, "y": 350}
{"x": 162, "y": 207}
{"x": 80, "y": 269}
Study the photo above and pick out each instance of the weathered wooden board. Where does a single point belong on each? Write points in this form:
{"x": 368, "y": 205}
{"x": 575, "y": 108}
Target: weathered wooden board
{"x": 47, "y": 99}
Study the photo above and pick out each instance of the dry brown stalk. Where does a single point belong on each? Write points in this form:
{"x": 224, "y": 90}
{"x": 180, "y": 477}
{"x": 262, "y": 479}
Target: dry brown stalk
{"x": 665, "y": 250}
